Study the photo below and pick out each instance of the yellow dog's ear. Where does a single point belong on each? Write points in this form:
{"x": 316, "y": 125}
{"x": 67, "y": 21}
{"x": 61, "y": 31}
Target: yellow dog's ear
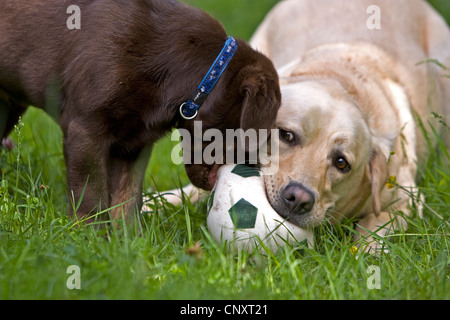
{"x": 378, "y": 174}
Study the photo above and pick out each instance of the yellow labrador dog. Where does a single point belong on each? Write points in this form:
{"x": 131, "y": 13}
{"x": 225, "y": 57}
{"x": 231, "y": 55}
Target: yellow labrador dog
{"x": 354, "y": 74}
{"x": 352, "y": 84}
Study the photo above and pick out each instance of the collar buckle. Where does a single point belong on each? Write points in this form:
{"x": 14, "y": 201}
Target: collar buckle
{"x": 185, "y": 113}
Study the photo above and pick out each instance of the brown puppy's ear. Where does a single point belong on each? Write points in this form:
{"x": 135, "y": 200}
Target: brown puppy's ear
{"x": 378, "y": 171}
{"x": 262, "y": 99}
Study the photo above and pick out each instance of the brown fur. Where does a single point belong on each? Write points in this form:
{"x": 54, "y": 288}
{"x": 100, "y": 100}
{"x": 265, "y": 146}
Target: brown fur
{"x": 116, "y": 84}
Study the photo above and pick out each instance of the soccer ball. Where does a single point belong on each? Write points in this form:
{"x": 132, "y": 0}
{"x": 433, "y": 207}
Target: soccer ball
{"x": 240, "y": 215}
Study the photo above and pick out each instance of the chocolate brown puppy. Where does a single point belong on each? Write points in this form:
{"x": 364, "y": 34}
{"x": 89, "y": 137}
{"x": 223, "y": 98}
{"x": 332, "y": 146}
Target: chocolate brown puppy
{"x": 115, "y": 84}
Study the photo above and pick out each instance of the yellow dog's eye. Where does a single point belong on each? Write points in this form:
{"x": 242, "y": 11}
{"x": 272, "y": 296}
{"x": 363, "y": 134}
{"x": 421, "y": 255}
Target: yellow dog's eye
{"x": 287, "y": 136}
{"x": 342, "y": 164}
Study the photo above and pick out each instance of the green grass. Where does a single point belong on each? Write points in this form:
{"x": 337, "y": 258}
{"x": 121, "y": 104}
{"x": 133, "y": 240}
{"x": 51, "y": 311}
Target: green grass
{"x": 38, "y": 242}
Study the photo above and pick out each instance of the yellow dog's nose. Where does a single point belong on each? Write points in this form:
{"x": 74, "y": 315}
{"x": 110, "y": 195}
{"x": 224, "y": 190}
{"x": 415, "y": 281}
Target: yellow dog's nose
{"x": 298, "y": 198}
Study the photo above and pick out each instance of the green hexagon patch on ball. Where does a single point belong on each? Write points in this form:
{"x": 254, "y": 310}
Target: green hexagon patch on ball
{"x": 245, "y": 171}
{"x": 243, "y": 214}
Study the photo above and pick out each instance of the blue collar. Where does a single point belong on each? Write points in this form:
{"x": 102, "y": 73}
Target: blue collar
{"x": 188, "y": 109}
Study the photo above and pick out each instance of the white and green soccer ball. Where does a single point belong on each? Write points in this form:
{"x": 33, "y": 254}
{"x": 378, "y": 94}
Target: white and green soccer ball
{"x": 240, "y": 215}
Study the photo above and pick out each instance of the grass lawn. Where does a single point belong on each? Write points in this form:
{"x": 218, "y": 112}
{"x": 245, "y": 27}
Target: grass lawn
{"x": 175, "y": 258}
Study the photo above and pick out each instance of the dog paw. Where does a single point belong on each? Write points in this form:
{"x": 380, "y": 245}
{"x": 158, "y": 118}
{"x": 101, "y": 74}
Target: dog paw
{"x": 370, "y": 246}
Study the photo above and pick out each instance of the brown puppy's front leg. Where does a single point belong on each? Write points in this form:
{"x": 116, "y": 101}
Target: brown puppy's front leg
{"x": 87, "y": 176}
{"x": 100, "y": 179}
{"x": 125, "y": 180}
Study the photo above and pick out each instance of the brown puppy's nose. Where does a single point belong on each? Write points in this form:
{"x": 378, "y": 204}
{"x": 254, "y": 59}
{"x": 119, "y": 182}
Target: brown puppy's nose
{"x": 298, "y": 198}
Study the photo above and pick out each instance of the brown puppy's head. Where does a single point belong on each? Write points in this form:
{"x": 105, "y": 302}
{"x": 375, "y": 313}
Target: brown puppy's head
{"x": 329, "y": 160}
{"x": 247, "y": 96}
